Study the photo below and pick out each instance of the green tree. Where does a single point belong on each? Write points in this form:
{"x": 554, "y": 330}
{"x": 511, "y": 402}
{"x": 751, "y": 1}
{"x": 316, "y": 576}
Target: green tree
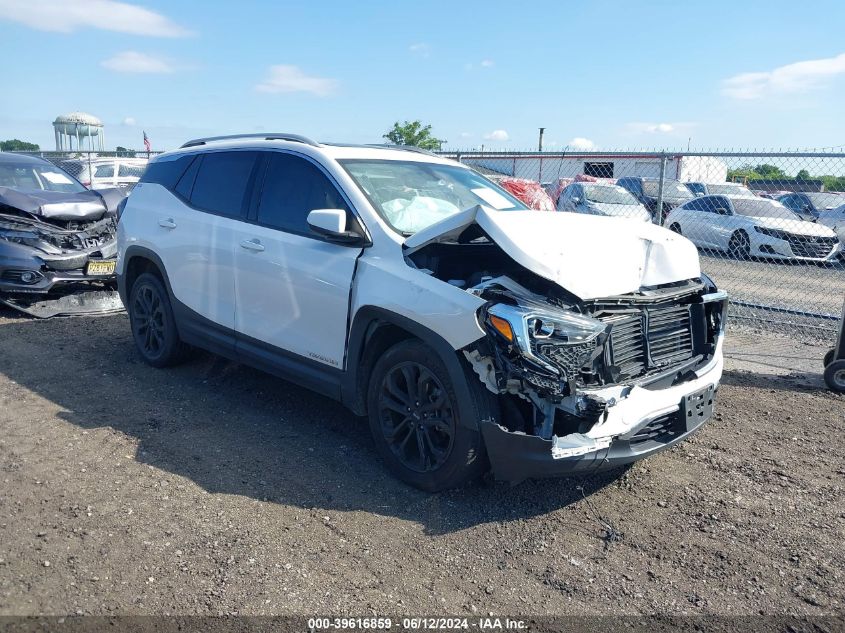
{"x": 122, "y": 151}
{"x": 413, "y": 133}
{"x": 803, "y": 175}
{"x": 17, "y": 145}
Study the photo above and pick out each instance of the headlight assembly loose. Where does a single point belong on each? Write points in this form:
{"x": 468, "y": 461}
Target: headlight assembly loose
{"x": 530, "y": 326}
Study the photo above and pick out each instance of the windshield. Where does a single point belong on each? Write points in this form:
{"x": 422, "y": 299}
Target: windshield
{"x": 762, "y": 208}
{"x": 826, "y": 200}
{"x": 730, "y": 189}
{"x": 671, "y": 189}
{"x": 37, "y": 177}
{"x": 609, "y": 194}
{"x": 414, "y": 195}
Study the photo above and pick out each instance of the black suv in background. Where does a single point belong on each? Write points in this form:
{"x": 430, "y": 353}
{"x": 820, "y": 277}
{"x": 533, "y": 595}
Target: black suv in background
{"x": 646, "y": 190}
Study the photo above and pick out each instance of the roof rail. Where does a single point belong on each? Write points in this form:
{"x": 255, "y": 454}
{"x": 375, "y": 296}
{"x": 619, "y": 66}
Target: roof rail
{"x": 271, "y": 136}
{"x": 409, "y": 148}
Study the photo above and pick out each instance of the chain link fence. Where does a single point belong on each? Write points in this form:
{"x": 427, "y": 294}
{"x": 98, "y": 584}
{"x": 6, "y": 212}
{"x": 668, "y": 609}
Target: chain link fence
{"x": 769, "y": 226}
{"x": 99, "y": 170}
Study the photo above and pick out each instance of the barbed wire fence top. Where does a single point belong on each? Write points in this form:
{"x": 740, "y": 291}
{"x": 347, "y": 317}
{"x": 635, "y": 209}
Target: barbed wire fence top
{"x": 769, "y": 226}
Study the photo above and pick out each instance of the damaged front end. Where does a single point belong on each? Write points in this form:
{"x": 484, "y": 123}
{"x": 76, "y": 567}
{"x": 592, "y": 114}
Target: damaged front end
{"x": 593, "y": 384}
{"x": 61, "y": 262}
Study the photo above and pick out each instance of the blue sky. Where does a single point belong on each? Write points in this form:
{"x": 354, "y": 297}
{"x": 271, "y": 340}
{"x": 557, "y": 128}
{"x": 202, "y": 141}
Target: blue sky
{"x": 603, "y": 74}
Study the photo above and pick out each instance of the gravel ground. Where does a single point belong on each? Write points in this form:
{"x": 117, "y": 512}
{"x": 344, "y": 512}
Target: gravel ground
{"x": 213, "y": 488}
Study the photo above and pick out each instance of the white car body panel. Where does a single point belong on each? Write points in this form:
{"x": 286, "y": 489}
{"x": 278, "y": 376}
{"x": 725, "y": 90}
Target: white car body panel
{"x": 198, "y": 251}
{"x": 574, "y": 251}
{"x": 293, "y": 294}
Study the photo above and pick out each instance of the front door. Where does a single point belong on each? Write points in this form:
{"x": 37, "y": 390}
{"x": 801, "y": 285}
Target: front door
{"x": 292, "y": 287}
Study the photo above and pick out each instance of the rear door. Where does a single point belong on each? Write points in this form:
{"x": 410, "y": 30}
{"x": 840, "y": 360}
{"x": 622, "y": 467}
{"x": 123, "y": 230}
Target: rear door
{"x": 196, "y": 239}
{"x": 292, "y": 287}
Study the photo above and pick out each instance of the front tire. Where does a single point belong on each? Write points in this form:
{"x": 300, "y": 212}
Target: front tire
{"x": 740, "y": 246}
{"x": 426, "y": 437}
{"x": 675, "y": 228}
{"x": 153, "y": 326}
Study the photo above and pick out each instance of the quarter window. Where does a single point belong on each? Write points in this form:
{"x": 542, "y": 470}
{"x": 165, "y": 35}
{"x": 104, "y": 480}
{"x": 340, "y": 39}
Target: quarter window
{"x": 293, "y": 187}
{"x": 222, "y": 182}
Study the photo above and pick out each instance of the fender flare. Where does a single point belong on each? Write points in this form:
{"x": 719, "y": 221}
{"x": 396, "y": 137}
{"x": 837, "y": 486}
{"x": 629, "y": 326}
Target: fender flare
{"x": 354, "y": 387}
{"x": 135, "y": 251}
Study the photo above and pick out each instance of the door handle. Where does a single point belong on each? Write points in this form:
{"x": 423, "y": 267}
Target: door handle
{"x": 167, "y": 223}
{"x": 252, "y": 245}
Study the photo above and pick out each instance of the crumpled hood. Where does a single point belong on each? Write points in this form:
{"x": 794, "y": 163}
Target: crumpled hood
{"x": 59, "y": 205}
{"x": 590, "y": 256}
{"x": 798, "y": 227}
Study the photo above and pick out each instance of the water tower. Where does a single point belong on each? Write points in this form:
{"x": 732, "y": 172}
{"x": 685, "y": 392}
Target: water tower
{"x": 79, "y": 126}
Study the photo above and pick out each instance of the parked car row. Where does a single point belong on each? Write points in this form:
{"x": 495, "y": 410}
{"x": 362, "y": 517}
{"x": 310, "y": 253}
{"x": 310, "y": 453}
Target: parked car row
{"x": 105, "y": 172}
{"x": 723, "y": 216}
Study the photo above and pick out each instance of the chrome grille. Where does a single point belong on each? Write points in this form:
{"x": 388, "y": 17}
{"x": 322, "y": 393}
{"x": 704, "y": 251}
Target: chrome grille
{"x": 807, "y": 246}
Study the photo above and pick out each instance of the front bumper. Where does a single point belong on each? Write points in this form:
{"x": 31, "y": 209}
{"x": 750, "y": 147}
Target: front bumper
{"x": 49, "y": 280}
{"x": 642, "y": 423}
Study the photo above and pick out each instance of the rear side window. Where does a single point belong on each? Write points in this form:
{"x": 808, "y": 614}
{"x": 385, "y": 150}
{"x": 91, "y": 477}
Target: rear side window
{"x": 223, "y": 181}
{"x": 167, "y": 172}
{"x": 104, "y": 171}
{"x": 293, "y": 187}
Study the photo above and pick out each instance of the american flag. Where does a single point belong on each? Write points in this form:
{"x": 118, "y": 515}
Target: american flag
{"x": 146, "y": 142}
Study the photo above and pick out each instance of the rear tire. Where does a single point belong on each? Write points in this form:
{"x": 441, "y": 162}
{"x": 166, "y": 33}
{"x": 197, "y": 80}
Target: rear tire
{"x": 675, "y": 228}
{"x": 426, "y": 437}
{"x": 153, "y": 326}
{"x": 828, "y": 357}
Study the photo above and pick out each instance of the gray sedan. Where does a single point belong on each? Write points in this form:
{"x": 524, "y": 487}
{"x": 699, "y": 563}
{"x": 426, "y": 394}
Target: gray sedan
{"x": 599, "y": 198}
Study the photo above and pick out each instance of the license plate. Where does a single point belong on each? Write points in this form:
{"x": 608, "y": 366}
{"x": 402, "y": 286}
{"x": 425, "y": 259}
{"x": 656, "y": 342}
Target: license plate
{"x": 698, "y": 406}
{"x": 100, "y": 268}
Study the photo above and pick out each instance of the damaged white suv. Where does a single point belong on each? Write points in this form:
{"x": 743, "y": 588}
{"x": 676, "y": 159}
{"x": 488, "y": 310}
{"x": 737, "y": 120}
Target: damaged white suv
{"x": 471, "y": 331}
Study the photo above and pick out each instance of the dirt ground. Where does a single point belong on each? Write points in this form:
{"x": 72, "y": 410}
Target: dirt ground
{"x": 213, "y": 488}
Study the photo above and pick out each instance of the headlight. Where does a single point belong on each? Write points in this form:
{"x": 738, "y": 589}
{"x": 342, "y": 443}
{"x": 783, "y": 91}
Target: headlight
{"x": 529, "y": 329}
{"x": 779, "y": 235}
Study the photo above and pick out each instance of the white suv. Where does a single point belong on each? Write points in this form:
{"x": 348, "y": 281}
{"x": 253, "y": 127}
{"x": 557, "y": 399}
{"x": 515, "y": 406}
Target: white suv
{"x": 471, "y": 331}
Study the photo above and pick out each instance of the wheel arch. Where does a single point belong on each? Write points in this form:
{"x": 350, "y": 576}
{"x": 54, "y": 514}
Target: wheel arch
{"x": 372, "y": 332}
{"x": 140, "y": 260}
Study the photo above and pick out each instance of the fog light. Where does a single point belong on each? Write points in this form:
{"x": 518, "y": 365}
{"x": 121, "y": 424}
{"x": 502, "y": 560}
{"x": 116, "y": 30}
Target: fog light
{"x": 28, "y": 277}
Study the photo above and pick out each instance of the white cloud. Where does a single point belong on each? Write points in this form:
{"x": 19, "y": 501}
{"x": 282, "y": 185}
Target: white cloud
{"x": 134, "y": 62}
{"x": 677, "y": 128}
{"x": 420, "y": 49}
{"x": 284, "y": 79}
{"x": 129, "y": 121}
{"x": 791, "y": 78}
{"x": 66, "y": 16}
{"x": 497, "y": 135}
{"x": 582, "y": 144}
{"x": 487, "y": 63}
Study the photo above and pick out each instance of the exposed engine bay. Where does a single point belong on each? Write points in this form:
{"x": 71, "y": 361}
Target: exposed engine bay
{"x": 560, "y": 364}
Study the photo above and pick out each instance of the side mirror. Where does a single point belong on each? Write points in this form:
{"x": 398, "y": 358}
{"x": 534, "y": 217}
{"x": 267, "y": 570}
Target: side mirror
{"x": 576, "y": 199}
{"x": 722, "y": 211}
{"x": 331, "y": 224}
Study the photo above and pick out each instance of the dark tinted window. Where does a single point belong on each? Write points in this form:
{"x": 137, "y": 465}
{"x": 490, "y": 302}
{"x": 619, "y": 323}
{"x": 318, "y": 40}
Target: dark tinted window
{"x": 222, "y": 181}
{"x": 166, "y": 172}
{"x": 293, "y": 187}
{"x": 186, "y": 182}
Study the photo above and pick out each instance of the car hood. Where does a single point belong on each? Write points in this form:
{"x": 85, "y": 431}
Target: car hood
{"x": 633, "y": 211}
{"x": 589, "y": 256}
{"x": 799, "y": 227}
{"x": 59, "y": 205}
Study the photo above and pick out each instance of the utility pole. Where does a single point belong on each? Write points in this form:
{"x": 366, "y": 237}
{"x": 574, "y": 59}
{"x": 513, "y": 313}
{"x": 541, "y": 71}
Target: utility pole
{"x": 540, "y": 144}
